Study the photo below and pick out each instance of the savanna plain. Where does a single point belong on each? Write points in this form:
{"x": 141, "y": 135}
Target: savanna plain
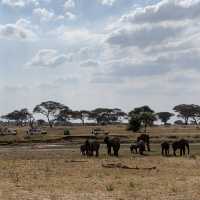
{"x": 50, "y": 167}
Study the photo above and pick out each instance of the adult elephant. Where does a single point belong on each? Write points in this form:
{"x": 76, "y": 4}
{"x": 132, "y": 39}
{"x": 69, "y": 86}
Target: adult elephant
{"x": 90, "y": 147}
{"x": 165, "y": 148}
{"x": 182, "y": 145}
{"x": 112, "y": 143}
{"x": 146, "y": 139}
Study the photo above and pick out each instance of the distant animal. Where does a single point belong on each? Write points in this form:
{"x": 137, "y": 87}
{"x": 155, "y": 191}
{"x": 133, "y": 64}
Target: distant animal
{"x": 182, "y": 145}
{"x": 112, "y": 143}
{"x": 165, "y": 148}
{"x": 146, "y": 139}
{"x": 83, "y": 149}
{"x": 140, "y": 145}
{"x": 133, "y": 148}
{"x": 89, "y": 147}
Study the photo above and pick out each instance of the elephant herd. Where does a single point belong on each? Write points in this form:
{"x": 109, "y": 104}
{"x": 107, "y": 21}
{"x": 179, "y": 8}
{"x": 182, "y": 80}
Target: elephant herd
{"x": 180, "y": 144}
{"x": 91, "y": 146}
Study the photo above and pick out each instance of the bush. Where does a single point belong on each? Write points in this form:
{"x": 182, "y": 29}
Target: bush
{"x": 134, "y": 123}
{"x": 66, "y": 131}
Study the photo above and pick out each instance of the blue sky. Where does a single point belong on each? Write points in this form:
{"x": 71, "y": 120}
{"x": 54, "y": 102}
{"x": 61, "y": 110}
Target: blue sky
{"x": 91, "y": 53}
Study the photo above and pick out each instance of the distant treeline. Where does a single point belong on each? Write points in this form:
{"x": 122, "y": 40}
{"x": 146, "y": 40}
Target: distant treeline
{"x": 57, "y": 113}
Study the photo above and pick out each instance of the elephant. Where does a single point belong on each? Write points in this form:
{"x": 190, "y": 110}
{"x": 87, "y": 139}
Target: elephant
{"x": 165, "y": 148}
{"x": 139, "y": 145}
{"x": 181, "y": 144}
{"x": 89, "y": 147}
{"x": 146, "y": 139}
{"x": 83, "y": 149}
{"x": 134, "y": 147}
{"x": 112, "y": 143}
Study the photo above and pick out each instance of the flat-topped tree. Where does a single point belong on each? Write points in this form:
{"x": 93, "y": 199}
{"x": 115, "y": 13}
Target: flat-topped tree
{"x": 50, "y": 109}
{"x": 164, "y": 116}
{"x": 107, "y": 115}
{"x": 19, "y": 116}
{"x": 82, "y": 115}
{"x": 188, "y": 111}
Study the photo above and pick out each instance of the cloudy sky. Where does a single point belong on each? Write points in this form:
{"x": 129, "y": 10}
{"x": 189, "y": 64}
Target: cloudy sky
{"x": 92, "y": 53}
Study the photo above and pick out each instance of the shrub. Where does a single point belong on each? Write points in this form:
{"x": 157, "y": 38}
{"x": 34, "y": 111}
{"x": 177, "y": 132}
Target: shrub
{"x": 66, "y": 131}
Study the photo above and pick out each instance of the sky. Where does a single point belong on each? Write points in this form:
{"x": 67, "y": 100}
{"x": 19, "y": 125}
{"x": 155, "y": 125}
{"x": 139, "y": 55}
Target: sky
{"x": 99, "y": 53}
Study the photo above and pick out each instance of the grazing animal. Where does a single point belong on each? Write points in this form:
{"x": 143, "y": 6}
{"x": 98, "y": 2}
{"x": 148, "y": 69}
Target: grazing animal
{"x": 146, "y": 139}
{"x": 140, "y": 145}
{"x": 133, "y": 148}
{"x": 165, "y": 148}
{"x": 182, "y": 145}
{"x": 92, "y": 146}
{"x": 112, "y": 143}
{"x": 83, "y": 149}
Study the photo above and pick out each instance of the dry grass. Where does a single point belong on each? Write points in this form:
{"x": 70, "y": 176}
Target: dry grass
{"x": 28, "y": 173}
{"x": 50, "y": 175}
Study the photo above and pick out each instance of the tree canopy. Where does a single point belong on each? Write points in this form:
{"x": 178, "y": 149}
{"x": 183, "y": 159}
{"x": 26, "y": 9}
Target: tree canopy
{"x": 50, "y": 109}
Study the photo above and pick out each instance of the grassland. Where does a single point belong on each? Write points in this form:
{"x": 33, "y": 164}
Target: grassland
{"x": 37, "y": 172}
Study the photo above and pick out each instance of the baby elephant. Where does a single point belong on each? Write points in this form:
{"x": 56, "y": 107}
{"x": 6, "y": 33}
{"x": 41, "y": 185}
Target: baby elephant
{"x": 83, "y": 149}
{"x": 165, "y": 148}
{"x": 133, "y": 148}
{"x": 139, "y": 145}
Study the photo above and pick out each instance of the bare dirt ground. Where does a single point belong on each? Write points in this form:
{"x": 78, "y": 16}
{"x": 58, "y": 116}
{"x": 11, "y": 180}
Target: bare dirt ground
{"x": 56, "y": 171}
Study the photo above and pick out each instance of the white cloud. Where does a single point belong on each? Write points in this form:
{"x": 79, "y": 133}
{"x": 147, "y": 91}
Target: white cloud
{"x": 70, "y": 16}
{"x": 107, "y": 2}
{"x": 20, "y": 3}
{"x": 44, "y": 14}
{"x": 144, "y": 35}
{"x": 48, "y": 58}
{"x": 166, "y": 10}
{"x": 21, "y": 30}
{"x": 69, "y": 4}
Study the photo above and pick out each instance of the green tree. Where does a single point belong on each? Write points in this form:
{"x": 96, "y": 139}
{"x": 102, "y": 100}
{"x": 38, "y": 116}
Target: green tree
{"x": 145, "y": 114}
{"x": 50, "y": 109}
{"x": 188, "y": 111}
{"x": 134, "y": 123}
{"x": 164, "y": 116}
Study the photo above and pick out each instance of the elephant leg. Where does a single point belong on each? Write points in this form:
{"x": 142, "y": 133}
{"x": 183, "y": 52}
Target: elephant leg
{"x": 109, "y": 150}
{"x": 116, "y": 153}
{"x": 174, "y": 152}
{"x": 97, "y": 153}
{"x": 163, "y": 151}
{"x": 183, "y": 150}
{"x": 148, "y": 147}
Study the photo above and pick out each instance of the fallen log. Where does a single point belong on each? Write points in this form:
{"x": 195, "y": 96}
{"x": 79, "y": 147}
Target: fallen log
{"x": 122, "y": 166}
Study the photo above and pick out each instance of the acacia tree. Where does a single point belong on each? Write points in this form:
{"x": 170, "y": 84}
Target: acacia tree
{"x": 19, "y": 116}
{"x": 187, "y": 111}
{"x": 50, "y": 109}
{"x": 164, "y": 116}
{"x": 82, "y": 115}
{"x": 106, "y": 115}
